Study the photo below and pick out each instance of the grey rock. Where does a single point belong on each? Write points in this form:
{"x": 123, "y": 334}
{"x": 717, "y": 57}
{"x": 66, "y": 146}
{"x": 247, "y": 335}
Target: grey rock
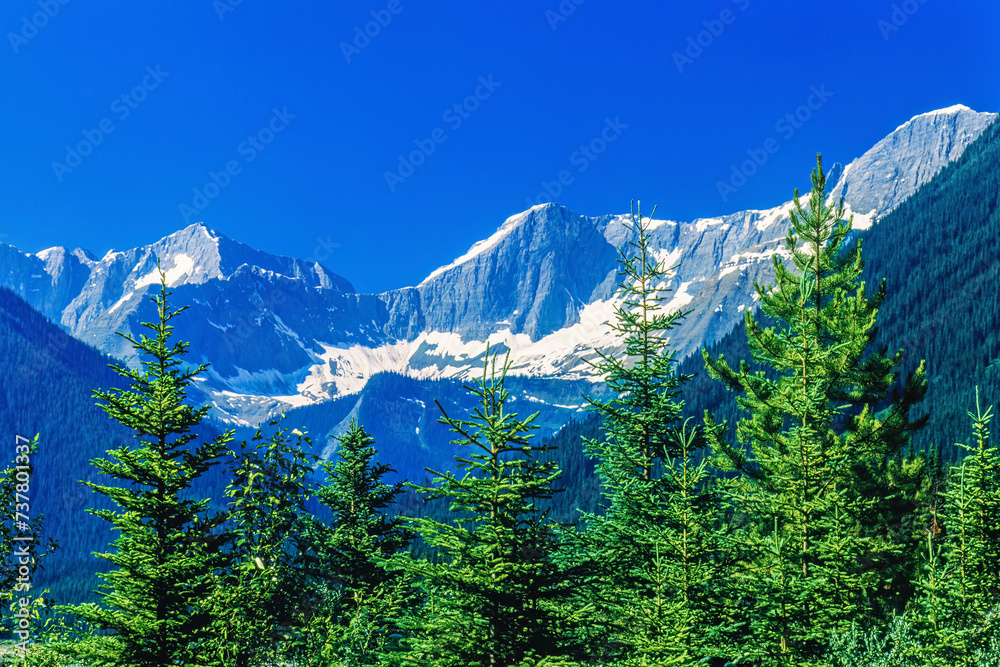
{"x": 281, "y": 331}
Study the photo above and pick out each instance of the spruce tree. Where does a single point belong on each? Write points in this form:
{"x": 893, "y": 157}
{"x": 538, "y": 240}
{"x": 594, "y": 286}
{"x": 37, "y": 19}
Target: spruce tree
{"x": 261, "y": 596}
{"x": 960, "y": 590}
{"x": 350, "y": 622}
{"x": 919, "y": 483}
{"x": 493, "y": 594}
{"x": 155, "y": 603}
{"x": 657, "y": 549}
{"x": 823, "y": 423}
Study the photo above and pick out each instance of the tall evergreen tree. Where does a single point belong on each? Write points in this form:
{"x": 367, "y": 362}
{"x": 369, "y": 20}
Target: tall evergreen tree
{"x": 821, "y": 429}
{"x": 261, "y": 595}
{"x": 493, "y": 595}
{"x": 918, "y": 479}
{"x": 156, "y": 600}
{"x": 656, "y": 548}
{"x": 351, "y": 622}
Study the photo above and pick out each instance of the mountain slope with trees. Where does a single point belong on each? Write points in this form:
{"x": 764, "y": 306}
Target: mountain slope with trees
{"x": 937, "y": 253}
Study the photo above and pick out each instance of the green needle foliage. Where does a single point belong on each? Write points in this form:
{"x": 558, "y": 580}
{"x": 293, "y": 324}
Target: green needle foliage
{"x": 822, "y": 428}
{"x": 262, "y": 594}
{"x": 960, "y": 589}
{"x": 654, "y": 551}
{"x": 156, "y": 600}
{"x": 493, "y": 594}
{"x": 349, "y": 622}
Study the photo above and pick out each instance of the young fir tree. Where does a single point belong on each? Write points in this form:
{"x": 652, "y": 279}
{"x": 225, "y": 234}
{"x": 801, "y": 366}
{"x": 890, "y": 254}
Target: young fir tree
{"x": 350, "y": 623}
{"x": 957, "y": 611}
{"x": 156, "y": 600}
{"x": 657, "y": 548}
{"x": 493, "y": 595}
{"x": 261, "y": 595}
{"x": 822, "y": 427}
{"x": 919, "y": 479}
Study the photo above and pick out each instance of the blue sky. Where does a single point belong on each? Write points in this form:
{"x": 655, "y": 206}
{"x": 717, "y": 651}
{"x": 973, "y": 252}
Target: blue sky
{"x": 283, "y": 125}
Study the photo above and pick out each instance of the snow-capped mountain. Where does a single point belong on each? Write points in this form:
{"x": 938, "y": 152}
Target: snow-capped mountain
{"x": 911, "y": 155}
{"x": 284, "y": 332}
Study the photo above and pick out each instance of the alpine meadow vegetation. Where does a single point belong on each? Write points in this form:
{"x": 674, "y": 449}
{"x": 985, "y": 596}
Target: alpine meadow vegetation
{"x": 803, "y": 529}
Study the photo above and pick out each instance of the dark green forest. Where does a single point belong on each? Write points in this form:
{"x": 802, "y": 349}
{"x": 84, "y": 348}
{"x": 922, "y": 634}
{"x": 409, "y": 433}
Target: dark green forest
{"x": 818, "y": 488}
{"x": 937, "y": 252}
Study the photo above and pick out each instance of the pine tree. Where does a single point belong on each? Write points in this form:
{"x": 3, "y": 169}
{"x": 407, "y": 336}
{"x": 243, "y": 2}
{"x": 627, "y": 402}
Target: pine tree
{"x": 918, "y": 480}
{"x": 493, "y": 594}
{"x": 156, "y": 600}
{"x": 821, "y": 429}
{"x": 350, "y": 623}
{"x": 961, "y": 584}
{"x": 262, "y": 594}
{"x": 656, "y": 548}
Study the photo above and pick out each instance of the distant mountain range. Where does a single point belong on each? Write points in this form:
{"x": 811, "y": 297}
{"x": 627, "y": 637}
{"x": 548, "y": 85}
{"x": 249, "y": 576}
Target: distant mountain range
{"x": 284, "y": 333}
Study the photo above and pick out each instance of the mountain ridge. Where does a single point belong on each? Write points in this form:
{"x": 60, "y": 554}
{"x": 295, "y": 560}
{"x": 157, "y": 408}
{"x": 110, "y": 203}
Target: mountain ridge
{"x": 283, "y": 332}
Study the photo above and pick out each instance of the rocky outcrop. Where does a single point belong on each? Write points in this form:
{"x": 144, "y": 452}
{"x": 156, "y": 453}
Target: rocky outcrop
{"x": 281, "y": 331}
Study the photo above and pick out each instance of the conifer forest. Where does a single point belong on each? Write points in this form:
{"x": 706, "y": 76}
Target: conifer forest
{"x": 805, "y": 492}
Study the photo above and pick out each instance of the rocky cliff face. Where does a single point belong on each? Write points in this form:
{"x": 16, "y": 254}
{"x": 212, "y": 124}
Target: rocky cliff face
{"x": 94, "y": 298}
{"x": 284, "y": 332}
{"x": 534, "y": 275}
{"x": 895, "y": 167}
{"x": 542, "y": 284}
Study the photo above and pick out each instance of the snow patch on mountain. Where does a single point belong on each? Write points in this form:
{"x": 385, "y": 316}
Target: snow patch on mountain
{"x": 861, "y": 220}
{"x": 120, "y": 302}
{"x": 668, "y": 258}
{"x": 701, "y": 224}
{"x": 768, "y": 218}
{"x": 183, "y": 266}
{"x": 656, "y": 224}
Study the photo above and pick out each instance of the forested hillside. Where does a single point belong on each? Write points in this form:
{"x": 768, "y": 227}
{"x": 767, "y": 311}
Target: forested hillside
{"x": 46, "y": 380}
{"x": 45, "y": 384}
{"x": 645, "y": 538}
{"x": 938, "y": 255}
{"x": 403, "y": 415}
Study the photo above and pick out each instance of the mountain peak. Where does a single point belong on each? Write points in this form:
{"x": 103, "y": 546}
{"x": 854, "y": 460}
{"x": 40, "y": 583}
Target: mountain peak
{"x": 511, "y": 223}
{"x": 956, "y": 112}
{"x": 954, "y": 108}
{"x": 893, "y": 169}
{"x": 197, "y": 231}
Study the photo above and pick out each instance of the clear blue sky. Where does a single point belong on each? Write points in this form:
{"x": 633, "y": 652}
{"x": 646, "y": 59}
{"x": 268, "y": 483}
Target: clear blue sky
{"x": 217, "y": 71}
